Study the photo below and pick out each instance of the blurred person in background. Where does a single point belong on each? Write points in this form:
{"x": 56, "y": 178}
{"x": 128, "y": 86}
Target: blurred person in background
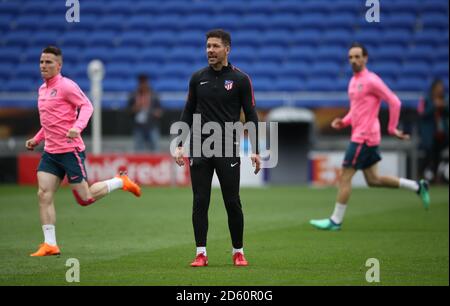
{"x": 146, "y": 111}
{"x": 366, "y": 91}
{"x": 64, "y": 112}
{"x": 433, "y": 129}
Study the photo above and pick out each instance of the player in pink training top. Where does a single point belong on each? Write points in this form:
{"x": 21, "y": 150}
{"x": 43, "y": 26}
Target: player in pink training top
{"x": 64, "y": 112}
{"x": 366, "y": 91}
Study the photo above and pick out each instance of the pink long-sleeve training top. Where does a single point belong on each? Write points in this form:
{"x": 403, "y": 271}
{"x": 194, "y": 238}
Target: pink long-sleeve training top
{"x": 60, "y": 100}
{"x": 366, "y": 90}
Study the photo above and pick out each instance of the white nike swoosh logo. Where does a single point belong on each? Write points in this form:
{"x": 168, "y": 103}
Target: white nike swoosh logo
{"x": 203, "y": 83}
{"x": 232, "y": 165}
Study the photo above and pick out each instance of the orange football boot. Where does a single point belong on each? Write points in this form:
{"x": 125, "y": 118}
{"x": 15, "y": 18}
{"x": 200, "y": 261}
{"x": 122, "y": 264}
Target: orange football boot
{"x": 129, "y": 185}
{"x": 46, "y": 249}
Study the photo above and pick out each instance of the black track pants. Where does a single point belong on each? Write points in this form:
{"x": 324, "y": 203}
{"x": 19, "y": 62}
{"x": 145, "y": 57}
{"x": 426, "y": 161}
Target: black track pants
{"x": 228, "y": 172}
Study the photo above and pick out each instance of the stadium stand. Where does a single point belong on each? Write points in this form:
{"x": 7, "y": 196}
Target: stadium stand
{"x": 285, "y": 45}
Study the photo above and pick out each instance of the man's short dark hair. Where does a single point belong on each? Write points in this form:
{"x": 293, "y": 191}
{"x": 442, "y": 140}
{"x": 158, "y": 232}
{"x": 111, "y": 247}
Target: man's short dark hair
{"x": 222, "y": 34}
{"x": 360, "y": 45}
{"x": 53, "y": 50}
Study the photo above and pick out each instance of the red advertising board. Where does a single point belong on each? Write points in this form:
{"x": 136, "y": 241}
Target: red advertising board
{"x": 145, "y": 169}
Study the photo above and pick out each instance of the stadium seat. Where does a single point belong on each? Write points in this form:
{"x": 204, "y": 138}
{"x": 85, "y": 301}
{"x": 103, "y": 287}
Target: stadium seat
{"x": 52, "y": 23}
{"x": 340, "y": 38}
{"x": 342, "y": 21}
{"x": 102, "y": 53}
{"x": 256, "y": 22}
{"x": 243, "y": 54}
{"x": 22, "y": 84}
{"x": 110, "y": 22}
{"x": 119, "y": 84}
{"x": 175, "y": 70}
{"x": 271, "y": 53}
{"x": 315, "y": 21}
{"x": 332, "y": 53}
{"x": 418, "y": 69}
{"x": 441, "y": 54}
{"x": 164, "y": 23}
{"x": 282, "y": 21}
{"x": 387, "y": 69}
{"x": 45, "y": 38}
{"x": 171, "y": 84}
{"x": 302, "y": 54}
{"x": 420, "y": 53}
{"x": 263, "y": 70}
{"x": 93, "y": 7}
{"x": 117, "y": 70}
{"x": 229, "y": 22}
{"x": 120, "y": 7}
{"x": 6, "y": 21}
{"x": 186, "y": 55}
{"x": 10, "y": 7}
{"x": 5, "y": 70}
{"x": 133, "y": 38}
{"x": 125, "y": 54}
{"x": 263, "y": 84}
{"x": 324, "y": 83}
{"x": 428, "y": 37}
{"x": 17, "y": 38}
{"x": 400, "y": 21}
{"x": 289, "y": 84}
{"x": 29, "y": 22}
{"x": 11, "y": 54}
{"x": 389, "y": 53}
{"x": 153, "y": 54}
{"x": 191, "y": 38}
{"x": 245, "y": 37}
{"x": 74, "y": 39}
{"x": 161, "y": 38}
{"x": 435, "y": 21}
{"x": 399, "y": 37}
{"x": 306, "y": 37}
{"x": 366, "y": 37}
{"x": 433, "y": 6}
{"x": 27, "y": 70}
{"x": 323, "y": 68}
{"x": 411, "y": 84}
{"x": 101, "y": 39}
{"x": 294, "y": 70}
{"x": 440, "y": 70}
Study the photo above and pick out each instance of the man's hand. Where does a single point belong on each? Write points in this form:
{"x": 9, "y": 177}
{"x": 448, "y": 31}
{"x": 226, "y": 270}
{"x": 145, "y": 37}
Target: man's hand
{"x": 256, "y": 162}
{"x": 337, "y": 124}
{"x": 400, "y": 135}
{"x": 30, "y": 144}
{"x": 178, "y": 156}
{"x": 73, "y": 133}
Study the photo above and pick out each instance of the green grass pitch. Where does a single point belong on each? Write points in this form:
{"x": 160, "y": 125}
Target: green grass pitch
{"x": 122, "y": 240}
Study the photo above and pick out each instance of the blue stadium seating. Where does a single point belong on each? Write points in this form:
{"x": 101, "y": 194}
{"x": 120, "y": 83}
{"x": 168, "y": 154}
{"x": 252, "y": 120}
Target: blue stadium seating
{"x": 287, "y": 45}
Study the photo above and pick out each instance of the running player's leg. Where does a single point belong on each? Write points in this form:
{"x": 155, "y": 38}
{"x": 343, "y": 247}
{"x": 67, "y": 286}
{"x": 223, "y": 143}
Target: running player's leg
{"x": 85, "y": 194}
{"x": 349, "y": 168}
{"x": 49, "y": 177}
{"x": 373, "y": 179}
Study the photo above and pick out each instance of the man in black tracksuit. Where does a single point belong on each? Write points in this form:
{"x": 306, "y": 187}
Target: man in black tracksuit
{"x": 218, "y": 93}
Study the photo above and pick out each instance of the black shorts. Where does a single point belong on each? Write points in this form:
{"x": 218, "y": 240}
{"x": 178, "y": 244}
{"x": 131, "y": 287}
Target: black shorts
{"x": 60, "y": 164}
{"x": 361, "y": 156}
